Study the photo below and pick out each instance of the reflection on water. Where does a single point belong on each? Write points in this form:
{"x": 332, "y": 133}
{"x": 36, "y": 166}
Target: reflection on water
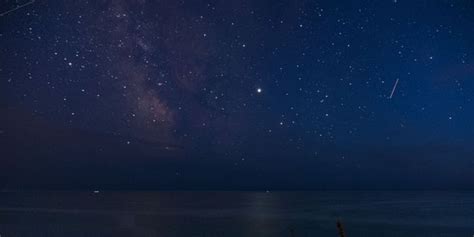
{"x": 236, "y": 213}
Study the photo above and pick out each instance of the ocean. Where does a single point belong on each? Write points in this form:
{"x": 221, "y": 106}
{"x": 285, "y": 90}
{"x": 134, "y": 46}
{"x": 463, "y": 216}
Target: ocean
{"x": 228, "y": 214}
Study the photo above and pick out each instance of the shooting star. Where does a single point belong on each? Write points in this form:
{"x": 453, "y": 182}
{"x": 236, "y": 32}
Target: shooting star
{"x": 17, "y": 7}
{"x": 393, "y": 89}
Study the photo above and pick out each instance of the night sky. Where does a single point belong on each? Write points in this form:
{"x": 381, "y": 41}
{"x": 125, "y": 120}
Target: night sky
{"x": 237, "y": 94}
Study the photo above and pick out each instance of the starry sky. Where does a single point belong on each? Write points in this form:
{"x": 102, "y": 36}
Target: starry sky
{"x": 237, "y": 94}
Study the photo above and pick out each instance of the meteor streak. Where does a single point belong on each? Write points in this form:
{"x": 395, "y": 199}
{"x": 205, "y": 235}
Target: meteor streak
{"x": 393, "y": 89}
{"x": 17, "y": 7}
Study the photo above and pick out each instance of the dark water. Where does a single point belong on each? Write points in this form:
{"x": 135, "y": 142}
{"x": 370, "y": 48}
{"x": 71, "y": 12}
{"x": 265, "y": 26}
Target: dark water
{"x": 209, "y": 214}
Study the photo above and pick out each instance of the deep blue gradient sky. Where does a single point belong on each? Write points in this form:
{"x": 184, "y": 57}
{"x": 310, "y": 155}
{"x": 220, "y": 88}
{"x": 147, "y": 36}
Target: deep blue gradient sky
{"x": 237, "y": 94}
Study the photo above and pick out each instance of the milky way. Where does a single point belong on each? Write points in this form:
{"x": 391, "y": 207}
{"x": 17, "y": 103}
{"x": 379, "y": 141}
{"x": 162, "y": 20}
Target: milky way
{"x": 168, "y": 70}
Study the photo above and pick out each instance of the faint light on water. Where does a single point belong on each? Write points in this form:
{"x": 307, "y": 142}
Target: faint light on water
{"x": 96, "y": 191}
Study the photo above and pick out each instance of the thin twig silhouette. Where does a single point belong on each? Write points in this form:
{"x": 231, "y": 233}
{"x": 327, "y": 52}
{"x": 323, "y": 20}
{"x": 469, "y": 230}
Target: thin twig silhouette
{"x": 340, "y": 229}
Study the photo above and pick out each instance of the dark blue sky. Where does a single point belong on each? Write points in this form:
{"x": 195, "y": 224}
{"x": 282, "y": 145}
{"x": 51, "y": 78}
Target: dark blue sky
{"x": 237, "y": 94}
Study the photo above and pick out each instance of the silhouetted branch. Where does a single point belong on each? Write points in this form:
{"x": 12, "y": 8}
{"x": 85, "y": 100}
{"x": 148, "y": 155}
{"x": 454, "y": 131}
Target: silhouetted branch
{"x": 340, "y": 229}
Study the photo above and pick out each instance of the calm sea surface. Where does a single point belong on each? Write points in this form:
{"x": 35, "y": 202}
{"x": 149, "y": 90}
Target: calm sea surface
{"x": 209, "y": 214}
